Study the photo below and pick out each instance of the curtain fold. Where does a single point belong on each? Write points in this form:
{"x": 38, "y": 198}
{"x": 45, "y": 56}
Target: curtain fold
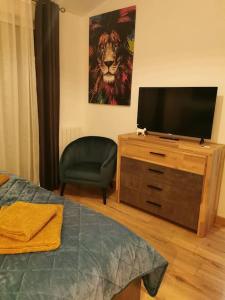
{"x": 19, "y": 152}
{"x": 46, "y": 35}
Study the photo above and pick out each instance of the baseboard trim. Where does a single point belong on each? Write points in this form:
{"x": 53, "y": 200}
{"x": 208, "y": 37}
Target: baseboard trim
{"x": 220, "y": 221}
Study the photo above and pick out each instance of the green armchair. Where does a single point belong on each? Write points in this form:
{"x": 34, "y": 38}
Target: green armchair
{"x": 89, "y": 160}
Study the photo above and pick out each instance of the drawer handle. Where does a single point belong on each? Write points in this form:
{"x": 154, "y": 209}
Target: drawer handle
{"x": 153, "y": 203}
{"x": 154, "y": 187}
{"x": 158, "y": 154}
{"x": 156, "y": 171}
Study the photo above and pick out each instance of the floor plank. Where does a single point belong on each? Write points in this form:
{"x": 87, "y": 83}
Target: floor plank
{"x": 196, "y": 265}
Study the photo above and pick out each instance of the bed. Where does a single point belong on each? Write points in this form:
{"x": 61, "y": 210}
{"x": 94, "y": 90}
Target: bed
{"x": 99, "y": 259}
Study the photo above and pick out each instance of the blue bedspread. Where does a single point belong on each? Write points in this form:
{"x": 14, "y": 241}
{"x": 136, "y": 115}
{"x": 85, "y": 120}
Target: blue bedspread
{"x": 97, "y": 259}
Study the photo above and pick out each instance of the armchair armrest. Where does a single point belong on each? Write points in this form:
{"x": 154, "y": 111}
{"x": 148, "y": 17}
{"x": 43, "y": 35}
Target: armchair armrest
{"x": 68, "y": 158}
{"x": 111, "y": 157}
{"x": 108, "y": 167}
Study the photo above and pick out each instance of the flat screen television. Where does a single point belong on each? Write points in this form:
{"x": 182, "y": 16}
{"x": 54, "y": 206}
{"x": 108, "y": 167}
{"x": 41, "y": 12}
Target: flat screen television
{"x": 184, "y": 111}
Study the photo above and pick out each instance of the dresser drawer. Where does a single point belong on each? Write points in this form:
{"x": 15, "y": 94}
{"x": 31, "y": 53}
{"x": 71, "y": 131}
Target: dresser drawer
{"x": 133, "y": 198}
{"x": 129, "y": 196}
{"x": 131, "y": 180}
{"x": 155, "y": 175}
{"x": 174, "y": 195}
{"x": 171, "y": 184}
{"x": 131, "y": 166}
{"x": 163, "y": 191}
{"x": 178, "y": 160}
{"x": 162, "y": 183}
{"x": 185, "y": 214}
{"x": 150, "y": 154}
{"x": 130, "y": 173}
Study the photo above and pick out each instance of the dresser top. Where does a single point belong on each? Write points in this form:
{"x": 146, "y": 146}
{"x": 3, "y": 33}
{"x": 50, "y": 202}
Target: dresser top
{"x": 181, "y": 145}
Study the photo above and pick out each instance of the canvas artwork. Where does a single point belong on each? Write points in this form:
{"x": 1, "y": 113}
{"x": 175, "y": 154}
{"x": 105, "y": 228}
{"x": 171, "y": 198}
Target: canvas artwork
{"x": 111, "y": 50}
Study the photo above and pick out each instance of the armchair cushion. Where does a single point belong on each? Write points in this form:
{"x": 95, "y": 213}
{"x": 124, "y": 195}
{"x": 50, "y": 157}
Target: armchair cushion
{"x": 84, "y": 171}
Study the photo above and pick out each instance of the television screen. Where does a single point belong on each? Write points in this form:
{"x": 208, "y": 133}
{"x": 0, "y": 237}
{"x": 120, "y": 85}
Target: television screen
{"x": 186, "y": 111}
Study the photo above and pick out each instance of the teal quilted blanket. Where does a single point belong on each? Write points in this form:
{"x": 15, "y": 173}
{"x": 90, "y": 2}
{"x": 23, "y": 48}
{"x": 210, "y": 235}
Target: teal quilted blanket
{"x": 97, "y": 259}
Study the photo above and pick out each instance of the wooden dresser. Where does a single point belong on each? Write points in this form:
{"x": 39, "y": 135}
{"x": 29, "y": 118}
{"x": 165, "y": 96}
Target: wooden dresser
{"x": 176, "y": 180}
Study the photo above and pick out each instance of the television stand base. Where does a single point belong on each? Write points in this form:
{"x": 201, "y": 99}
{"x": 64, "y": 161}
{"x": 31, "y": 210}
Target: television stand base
{"x": 202, "y": 141}
{"x": 172, "y": 138}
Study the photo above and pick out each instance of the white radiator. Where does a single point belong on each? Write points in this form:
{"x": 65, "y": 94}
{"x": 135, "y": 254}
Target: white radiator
{"x": 67, "y": 135}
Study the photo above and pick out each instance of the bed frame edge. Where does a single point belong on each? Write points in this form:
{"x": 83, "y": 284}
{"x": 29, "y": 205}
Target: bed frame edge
{"x": 131, "y": 292}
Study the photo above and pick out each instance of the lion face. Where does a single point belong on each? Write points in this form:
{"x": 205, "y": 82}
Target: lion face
{"x": 108, "y": 55}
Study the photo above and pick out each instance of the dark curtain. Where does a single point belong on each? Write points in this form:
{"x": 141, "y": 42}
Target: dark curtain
{"x": 46, "y": 40}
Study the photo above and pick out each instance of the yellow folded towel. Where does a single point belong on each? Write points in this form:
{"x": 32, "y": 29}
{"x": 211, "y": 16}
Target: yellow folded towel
{"x": 48, "y": 238}
{"x": 3, "y": 179}
{"x": 22, "y": 220}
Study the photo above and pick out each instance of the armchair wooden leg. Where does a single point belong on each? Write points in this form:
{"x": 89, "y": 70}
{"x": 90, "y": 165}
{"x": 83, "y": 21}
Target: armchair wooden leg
{"x": 63, "y": 185}
{"x": 104, "y": 195}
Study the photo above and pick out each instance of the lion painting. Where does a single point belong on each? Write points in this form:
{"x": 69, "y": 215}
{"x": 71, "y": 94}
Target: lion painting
{"x": 111, "y": 42}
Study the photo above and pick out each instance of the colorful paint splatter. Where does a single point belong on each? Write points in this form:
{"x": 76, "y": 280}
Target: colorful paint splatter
{"x": 111, "y": 49}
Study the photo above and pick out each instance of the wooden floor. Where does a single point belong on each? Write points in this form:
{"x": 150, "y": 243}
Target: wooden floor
{"x": 196, "y": 265}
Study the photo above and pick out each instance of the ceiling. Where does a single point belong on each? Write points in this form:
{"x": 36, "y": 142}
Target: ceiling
{"x": 79, "y": 7}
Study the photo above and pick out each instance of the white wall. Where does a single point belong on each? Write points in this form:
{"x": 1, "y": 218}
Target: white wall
{"x": 178, "y": 43}
{"x": 72, "y": 73}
